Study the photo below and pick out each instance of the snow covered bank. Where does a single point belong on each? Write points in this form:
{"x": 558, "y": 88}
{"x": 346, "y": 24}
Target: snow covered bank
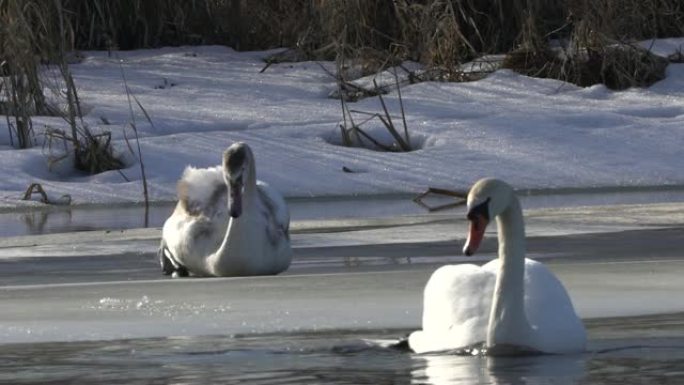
{"x": 535, "y": 133}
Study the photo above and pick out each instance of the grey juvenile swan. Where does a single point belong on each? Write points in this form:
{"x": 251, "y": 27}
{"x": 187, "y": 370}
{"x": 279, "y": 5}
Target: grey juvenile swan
{"x": 226, "y": 222}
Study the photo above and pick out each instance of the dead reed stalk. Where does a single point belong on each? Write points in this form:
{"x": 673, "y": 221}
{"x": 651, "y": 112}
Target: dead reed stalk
{"x": 134, "y": 127}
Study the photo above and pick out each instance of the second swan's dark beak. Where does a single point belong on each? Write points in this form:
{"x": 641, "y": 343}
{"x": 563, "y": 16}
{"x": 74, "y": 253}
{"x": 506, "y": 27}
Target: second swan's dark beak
{"x": 476, "y": 230}
{"x": 235, "y": 196}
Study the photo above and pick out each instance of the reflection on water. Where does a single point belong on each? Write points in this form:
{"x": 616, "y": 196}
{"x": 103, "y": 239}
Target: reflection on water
{"x": 335, "y": 357}
{"x": 35, "y": 221}
{"x": 442, "y": 370}
{"x": 66, "y": 219}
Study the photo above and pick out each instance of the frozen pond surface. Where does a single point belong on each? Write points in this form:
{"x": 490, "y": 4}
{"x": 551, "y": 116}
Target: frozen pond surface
{"x": 92, "y": 307}
{"x": 124, "y": 295}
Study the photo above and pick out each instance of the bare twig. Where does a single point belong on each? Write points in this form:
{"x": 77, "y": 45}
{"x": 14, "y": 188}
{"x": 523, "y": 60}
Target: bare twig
{"x": 459, "y": 195}
{"x": 390, "y": 126}
{"x": 401, "y": 105}
{"x": 137, "y": 140}
{"x": 375, "y": 142}
{"x": 36, "y": 188}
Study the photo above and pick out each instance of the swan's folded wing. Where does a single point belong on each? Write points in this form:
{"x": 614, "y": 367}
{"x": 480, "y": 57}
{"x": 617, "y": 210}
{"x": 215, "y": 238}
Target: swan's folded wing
{"x": 456, "y": 304}
{"x": 202, "y": 191}
{"x": 277, "y": 213}
{"x": 551, "y": 312}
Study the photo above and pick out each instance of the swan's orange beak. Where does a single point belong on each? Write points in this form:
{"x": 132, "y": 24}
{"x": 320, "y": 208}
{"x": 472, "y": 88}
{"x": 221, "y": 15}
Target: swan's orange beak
{"x": 476, "y": 230}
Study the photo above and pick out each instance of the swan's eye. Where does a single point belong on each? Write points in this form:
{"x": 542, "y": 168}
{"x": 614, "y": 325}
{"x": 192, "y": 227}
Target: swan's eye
{"x": 235, "y": 158}
{"x": 481, "y": 210}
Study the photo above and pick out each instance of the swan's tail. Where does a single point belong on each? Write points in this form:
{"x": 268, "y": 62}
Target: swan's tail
{"x": 168, "y": 263}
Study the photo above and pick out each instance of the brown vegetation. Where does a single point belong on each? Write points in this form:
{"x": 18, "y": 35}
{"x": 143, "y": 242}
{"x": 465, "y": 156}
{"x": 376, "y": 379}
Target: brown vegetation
{"x": 439, "y": 33}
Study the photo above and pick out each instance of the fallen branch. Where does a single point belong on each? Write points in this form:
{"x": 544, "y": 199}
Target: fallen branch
{"x": 459, "y": 195}
{"x": 37, "y": 188}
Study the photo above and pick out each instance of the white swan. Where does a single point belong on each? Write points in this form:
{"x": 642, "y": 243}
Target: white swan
{"x": 511, "y": 305}
{"x": 226, "y": 223}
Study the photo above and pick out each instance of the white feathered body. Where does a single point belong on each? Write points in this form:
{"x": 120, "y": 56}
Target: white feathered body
{"x": 458, "y": 301}
{"x": 258, "y": 241}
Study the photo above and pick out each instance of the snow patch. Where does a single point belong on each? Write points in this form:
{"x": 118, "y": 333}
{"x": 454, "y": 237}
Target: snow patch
{"x": 534, "y": 133}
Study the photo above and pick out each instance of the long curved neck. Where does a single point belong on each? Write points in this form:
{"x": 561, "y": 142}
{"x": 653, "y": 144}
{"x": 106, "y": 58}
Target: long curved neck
{"x": 250, "y": 182}
{"x": 508, "y": 322}
{"x": 235, "y": 230}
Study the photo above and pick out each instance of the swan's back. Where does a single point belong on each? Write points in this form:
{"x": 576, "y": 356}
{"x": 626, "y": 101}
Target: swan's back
{"x": 277, "y": 213}
{"x": 458, "y": 300}
{"x": 275, "y": 224}
{"x": 202, "y": 191}
{"x": 199, "y": 221}
{"x": 550, "y": 312}
{"x": 456, "y": 303}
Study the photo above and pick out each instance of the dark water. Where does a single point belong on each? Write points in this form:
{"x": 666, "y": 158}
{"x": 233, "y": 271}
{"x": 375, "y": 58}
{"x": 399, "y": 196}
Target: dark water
{"x": 639, "y": 350}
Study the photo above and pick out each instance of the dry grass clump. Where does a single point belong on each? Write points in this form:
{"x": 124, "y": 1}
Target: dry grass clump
{"x": 630, "y": 19}
{"x": 618, "y": 66}
{"x": 622, "y": 66}
{"x": 21, "y": 91}
{"x": 596, "y": 48}
{"x": 439, "y": 33}
{"x": 353, "y": 135}
{"x": 33, "y": 33}
{"x": 130, "y": 24}
{"x": 676, "y": 57}
{"x": 94, "y": 154}
{"x": 360, "y": 25}
{"x": 431, "y": 33}
{"x": 444, "y": 32}
{"x": 91, "y": 152}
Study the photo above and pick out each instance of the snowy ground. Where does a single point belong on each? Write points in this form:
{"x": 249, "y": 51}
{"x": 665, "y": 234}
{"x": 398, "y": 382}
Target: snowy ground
{"x": 535, "y": 133}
